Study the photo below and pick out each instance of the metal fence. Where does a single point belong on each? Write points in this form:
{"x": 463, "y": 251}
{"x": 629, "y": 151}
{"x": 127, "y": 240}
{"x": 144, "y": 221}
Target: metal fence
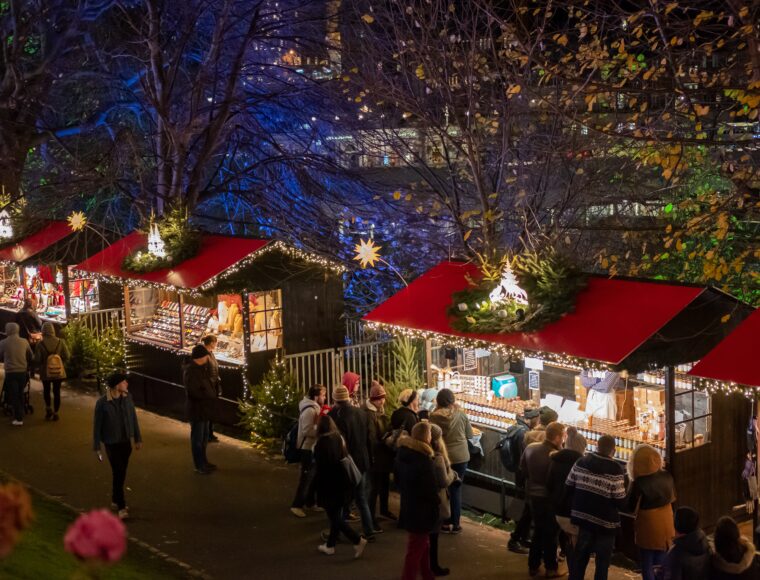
{"x": 326, "y": 367}
{"x": 101, "y": 320}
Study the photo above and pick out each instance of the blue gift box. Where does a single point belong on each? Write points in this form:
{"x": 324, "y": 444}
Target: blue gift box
{"x": 504, "y": 386}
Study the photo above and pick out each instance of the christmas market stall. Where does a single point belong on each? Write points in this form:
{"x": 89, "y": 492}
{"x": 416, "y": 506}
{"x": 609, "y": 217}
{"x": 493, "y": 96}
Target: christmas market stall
{"x": 260, "y": 298}
{"x": 730, "y": 368}
{"x": 613, "y": 360}
{"x": 39, "y": 267}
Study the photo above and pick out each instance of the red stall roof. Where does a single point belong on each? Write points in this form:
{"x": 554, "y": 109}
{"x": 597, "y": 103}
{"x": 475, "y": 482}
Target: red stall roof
{"x": 612, "y": 317}
{"x": 734, "y": 359}
{"x": 216, "y": 254}
{"x": 28, "y": 247}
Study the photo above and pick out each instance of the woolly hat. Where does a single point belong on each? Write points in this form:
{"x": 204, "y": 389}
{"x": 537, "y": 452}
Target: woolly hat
{"x": 406, "y": 396}
{"x": 435, "y": 432}
{"x": 575, "y": 441}
{"x": 530, "y": 413}
{"x": 377, "y": 392}
{"x": 686, "y": 519}
{"x": 114, "y": 379}
{"x": 547, "y": 415}
{"x": 445, "y": 398}
{"x": 350, "y": 381}
{"x": 199, "y": 351}
{"x": 340, "y": 393}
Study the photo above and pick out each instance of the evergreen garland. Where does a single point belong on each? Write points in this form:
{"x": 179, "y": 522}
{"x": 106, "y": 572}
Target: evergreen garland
{"x": 551, "y": 282}
{"x": 180, "y": 240}
{"x": 272, "y": 405}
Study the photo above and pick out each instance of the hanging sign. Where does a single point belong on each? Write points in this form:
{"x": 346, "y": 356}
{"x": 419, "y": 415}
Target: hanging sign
{"x": 470, "y": 359}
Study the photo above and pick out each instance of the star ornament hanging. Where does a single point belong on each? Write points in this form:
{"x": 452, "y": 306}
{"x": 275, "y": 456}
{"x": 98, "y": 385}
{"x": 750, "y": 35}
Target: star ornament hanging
{"x": 367, "y": 253}
{"x": 77, "y": 221}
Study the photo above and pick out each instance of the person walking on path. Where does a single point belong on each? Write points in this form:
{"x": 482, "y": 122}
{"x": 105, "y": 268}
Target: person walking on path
{"x": 352, "y": 424}
{"x": 17, "y": 355}
{"x": 200, "y": 394}
{"x": 382, "y": 455}
{"x": 689, "y": 557}
{"x": 456, "y": 432}
{"x": 535, "y": 463}
{"x": 419, "y": 515}
{"x": 560, "y": 465}
{"x": 115, "y": 426}
{"x": 30, "y": 325}
{"x": 308, "y": 417}
{"x": 651, "y": 497}
{"x": 334, "y": 490}
{"x": 597, "y": 485}
{"x": 50, "y": 354}
{"x": 405, "y": 417}
{"x": 210, "y": 341}
{"x": 444, "y": 477}
{"x": 519, "y": 539}
{"x": 735, "y": 557}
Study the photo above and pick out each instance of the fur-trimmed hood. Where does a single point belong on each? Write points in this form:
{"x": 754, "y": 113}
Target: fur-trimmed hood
{"x": 742, "y": 565}
{"x": 415, "y": 445}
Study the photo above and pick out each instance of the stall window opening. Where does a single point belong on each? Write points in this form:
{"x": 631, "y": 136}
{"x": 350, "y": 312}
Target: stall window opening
{"x": 693, "y": 411}
{"x": 265, "y": 311}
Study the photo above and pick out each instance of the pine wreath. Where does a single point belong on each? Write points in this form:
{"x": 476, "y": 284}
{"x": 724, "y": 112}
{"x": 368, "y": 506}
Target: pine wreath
{"x": 551, "y": 282}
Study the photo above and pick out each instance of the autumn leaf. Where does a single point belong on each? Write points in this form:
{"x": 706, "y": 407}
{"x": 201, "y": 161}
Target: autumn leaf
{"x": 420, "y": 72}
{"x": 725, "y": 318}
{"x": 368, "y": 18}
{"x": 396, "y": 195}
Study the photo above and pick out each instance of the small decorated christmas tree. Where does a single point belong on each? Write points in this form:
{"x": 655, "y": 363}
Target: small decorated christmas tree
{"x": 272, "y": 405}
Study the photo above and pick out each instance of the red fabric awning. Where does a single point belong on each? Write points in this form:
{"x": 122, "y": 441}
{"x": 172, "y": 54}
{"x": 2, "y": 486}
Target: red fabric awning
{"x": 28, "y": 247}
{"x": 216, "y": 254}
{"x": 734, "y": 359}
{"x": 612, "y": 317}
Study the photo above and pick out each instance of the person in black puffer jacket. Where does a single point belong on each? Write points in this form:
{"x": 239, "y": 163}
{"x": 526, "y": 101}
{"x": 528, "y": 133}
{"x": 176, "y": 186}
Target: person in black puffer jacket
{"x": 689, "y": 557}
{"x": 415, "y": 477}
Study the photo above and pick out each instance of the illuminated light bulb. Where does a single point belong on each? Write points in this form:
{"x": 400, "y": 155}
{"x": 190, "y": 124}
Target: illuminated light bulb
{"x": 508, "y": 288}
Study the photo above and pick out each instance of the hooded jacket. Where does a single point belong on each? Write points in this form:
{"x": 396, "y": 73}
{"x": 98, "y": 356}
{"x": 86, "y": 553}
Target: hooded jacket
{"x": 416, "y": 481}
{"x": 110, "y": 415}
{"x": 308, "y": 412}
{"x": 50, "y": 344}
{"x": 561, "y": 496}
{"x": 456, "y": 431}
{"x": 651, "y": 498}
{"x": 748, "y": 568}
{"x": 200, "y": 391}
{"x": 15, "y": 351}
{"x": 688, "y": 559}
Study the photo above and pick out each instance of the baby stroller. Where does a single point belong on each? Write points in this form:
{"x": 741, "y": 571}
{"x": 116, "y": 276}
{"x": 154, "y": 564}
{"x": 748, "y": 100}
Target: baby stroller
{"x": 6, "y": 404}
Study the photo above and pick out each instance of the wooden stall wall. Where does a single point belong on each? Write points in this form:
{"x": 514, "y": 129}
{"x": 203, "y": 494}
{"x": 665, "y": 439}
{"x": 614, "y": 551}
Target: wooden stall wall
{"x": 708, "y": 478}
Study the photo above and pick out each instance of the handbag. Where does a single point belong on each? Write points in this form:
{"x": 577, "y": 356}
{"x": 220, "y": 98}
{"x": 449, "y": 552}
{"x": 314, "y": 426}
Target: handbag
{"x": 352, "y": 472}
{"x": 444, "y": 510}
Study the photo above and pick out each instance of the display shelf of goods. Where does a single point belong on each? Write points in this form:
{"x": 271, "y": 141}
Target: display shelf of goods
{"x": 541, "y": 289}
{"x": 164, "y": 325}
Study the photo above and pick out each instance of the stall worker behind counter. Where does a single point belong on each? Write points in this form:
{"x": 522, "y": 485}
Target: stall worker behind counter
{"x": 601, "y": 385}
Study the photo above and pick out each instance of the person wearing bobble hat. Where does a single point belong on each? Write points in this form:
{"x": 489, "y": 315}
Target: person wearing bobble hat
{"x": 115, "y": 426}
{"x": 352, "y": 424}
{"x": 201, "y": 392}
{"x": 382, "y": 455}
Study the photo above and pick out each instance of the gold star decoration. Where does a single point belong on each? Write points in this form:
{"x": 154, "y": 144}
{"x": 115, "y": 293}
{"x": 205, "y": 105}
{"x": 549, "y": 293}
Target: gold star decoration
{"x": 367, "y": 253}
{"x": 77, "y": 220}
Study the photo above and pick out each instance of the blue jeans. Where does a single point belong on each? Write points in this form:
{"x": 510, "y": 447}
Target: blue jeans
{"x": 589, "y": 542}
{"x": 14, "y": 391}
{"x": 361, "y": 496}
{"x": 649, "y": 559}
{"x": 198, "y": 442}
{"x": 455, "y": 494}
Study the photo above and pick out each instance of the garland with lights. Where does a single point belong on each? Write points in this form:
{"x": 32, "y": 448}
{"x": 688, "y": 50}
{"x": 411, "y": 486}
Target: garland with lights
{"x": 541, "y": 289}
{"x": 171, "y": 241}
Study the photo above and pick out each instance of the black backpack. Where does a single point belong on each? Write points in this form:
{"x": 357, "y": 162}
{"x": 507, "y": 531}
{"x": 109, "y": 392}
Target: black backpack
{"x": 290, "y": 449}
{"x": 511, "y": 447}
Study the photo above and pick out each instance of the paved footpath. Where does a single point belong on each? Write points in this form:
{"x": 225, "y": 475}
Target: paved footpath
{"x": 233, "y": 524}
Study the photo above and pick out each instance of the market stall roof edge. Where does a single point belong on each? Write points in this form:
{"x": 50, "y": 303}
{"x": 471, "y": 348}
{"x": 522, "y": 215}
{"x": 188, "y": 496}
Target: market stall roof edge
{"x": 733, "y": 359}
{"x": 612, "y": 318}
{"x": 31, "y": 245}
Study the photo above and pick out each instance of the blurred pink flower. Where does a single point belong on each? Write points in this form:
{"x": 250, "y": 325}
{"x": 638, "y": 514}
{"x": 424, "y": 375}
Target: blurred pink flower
{"x": 96, "y": 535}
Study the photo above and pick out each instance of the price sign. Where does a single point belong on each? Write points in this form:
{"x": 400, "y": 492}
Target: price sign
{"x": 470, "y": 360}
{"x": 534, "y": 380}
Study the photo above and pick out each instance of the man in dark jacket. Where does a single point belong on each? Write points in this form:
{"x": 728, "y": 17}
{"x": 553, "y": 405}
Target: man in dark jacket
{"x": 519, "y": 540}
{"x": 352, "y": 424}
{"x": 598, "y": 488}
{"x": 201, "y": 392}
{"x": 689, "y": 557}
{"x": 115, "y": 426}
{"x": 28, "y": 320}
{"x": 420, "y": 501}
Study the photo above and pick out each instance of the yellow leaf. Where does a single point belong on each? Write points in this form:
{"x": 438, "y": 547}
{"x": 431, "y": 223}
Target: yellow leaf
{"x": 702, "y": 110}
{"x": 725, "y": 318}
{"x": 562, "y": 40}
{"x": 513, "y": 90}
{"x": 408, "y": 197}
{"x": 467, "y": 235}
{"x": 670, "y": 7}
{"x": 368, "y": 18}
{"x": 396, "y": 195}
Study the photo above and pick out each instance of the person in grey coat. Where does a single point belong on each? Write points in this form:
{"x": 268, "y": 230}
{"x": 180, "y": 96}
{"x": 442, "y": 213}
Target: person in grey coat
{"x": 17, "y": 355}
{"x": 115, "y": 426}
{"x": 51, "y": 345}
